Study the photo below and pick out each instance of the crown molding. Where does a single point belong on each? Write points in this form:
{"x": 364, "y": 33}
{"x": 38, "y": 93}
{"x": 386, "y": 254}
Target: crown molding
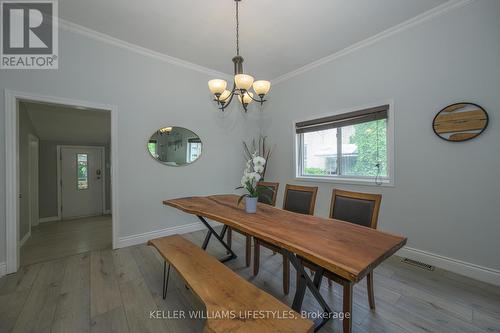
{"x": 415, "y": 21}
{"x": 76, "y": 28}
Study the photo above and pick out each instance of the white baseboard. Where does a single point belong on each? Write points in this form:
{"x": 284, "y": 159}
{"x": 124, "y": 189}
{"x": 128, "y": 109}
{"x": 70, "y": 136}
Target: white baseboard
{"x": 3, "y": 269}
{"x": 144, "y": 237}
{"x": 48, "y": 219}
{"x": 485, "y": 274}
{"x": 25, "y": 238}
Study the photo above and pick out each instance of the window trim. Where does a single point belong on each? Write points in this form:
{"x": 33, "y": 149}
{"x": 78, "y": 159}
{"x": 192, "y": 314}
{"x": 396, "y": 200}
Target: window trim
{"x": 342, "y": 179}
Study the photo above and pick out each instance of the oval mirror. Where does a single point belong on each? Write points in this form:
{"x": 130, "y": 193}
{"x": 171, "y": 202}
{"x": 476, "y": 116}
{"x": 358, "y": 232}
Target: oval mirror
{"x": 175, "y": 146}
{"x": 460, "y": 122}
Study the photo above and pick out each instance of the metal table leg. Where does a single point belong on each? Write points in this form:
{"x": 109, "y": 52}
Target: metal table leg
{"x": 313, "y": 286}
{"x": 220, "y": 238}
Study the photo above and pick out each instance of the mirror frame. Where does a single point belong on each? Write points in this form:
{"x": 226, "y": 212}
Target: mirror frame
{"x": 165, "y": 163}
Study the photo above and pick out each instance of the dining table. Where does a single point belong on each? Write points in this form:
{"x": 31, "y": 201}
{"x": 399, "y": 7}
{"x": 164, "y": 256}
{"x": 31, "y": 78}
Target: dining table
{"x": 347, "y": 250}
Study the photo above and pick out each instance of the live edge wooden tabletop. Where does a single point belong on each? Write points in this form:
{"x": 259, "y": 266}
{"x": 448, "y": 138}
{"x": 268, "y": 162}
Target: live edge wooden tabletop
{"x": 346, "y": 249}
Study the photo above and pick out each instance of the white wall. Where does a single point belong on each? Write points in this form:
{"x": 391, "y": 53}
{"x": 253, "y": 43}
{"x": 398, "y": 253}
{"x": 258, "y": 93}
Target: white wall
{"x": 148, "y": 93}
{"x": 445, "y": 198}
{"x": 25, "y": 129}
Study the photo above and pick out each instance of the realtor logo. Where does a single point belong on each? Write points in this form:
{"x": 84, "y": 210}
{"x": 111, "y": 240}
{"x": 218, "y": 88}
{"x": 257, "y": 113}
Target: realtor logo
{"x": 29, "y": 34}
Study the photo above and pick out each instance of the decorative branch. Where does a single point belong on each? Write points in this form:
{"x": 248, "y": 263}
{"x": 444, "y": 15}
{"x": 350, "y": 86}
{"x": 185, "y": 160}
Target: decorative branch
{"x": 260, "y": 148}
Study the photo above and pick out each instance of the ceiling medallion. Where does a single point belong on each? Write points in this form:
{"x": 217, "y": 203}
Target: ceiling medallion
{"x": 242, "y": 82}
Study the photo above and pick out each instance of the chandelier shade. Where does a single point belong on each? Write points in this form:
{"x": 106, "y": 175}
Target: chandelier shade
{"x": 217, "y": 86}
{"x": 242, "y": 82}
{"x": 261, "y": 87}
{"x": 224, "y": 97}
{"x": 247, "y": 98}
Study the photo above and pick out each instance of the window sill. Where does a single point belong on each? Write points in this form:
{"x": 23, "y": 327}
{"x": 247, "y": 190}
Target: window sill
{"x": 345, "y": 180}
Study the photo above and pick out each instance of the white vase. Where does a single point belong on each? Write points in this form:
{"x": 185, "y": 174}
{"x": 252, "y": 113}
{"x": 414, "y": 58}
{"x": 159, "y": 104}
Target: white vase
{"x": 251, "y": 205}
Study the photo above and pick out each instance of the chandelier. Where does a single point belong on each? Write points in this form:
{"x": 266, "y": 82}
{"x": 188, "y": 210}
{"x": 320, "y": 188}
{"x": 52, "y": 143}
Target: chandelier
{"x": 242, "y": 82}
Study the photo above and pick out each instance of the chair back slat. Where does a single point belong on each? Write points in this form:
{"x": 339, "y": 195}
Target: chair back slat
{"x": 355, "y": 207}
{"x": 300, "y": 199}
{"x": 268, "y": 192}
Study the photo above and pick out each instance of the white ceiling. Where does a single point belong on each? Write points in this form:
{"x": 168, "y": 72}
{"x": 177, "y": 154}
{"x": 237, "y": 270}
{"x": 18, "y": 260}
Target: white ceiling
{"x": 276, "y": 36}
{"x": 69, "y": 125}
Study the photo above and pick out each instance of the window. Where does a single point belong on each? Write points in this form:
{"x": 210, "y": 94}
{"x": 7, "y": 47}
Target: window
{"x": 82, "y": 171}
{"x": 348, "y": 147}
{"x": 152, "y": 148}
{"x": 194, "y": 149}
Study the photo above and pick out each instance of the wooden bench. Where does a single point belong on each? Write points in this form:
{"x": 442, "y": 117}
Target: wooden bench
{"x": 246, "y": 308}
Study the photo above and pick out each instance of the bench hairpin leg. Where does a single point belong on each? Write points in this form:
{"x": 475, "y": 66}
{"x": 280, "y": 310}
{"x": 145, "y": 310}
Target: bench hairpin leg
{"x": 166, "y": 276}
{"x": 220, "y": 238}
{"x": 313, "y": 286}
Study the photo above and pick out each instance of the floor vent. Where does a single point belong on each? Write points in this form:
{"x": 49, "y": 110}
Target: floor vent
{"x": 418, "y": 264}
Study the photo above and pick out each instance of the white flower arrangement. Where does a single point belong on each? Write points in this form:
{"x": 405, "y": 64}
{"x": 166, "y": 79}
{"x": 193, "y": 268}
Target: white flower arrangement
{"x": 251, "y": 175}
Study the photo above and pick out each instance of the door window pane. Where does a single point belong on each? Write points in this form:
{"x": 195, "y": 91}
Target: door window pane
{"x": 82, "y": 171}
{"x": 194, "y": 151}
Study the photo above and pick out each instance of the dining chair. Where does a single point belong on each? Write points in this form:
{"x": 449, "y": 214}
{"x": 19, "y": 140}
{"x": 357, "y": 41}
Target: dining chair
{"x": 358, "y": 208}
{"x": 298, "y": 199}
{"x": 268, "y": 193}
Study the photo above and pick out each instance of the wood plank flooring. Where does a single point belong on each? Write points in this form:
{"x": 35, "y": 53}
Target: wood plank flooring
{"x": 114, "y": 291}
{"x": 58, "y": 239}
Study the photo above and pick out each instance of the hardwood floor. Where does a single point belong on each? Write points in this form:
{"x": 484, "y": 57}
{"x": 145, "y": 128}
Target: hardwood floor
{"x": 114, "y": 291}
{"x": 58, "y": 239}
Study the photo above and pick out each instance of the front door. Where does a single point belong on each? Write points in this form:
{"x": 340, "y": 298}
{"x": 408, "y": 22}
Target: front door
{"x": 81, "y": 181}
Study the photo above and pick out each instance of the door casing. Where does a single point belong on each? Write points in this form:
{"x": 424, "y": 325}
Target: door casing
{"x": 12, "y": 99}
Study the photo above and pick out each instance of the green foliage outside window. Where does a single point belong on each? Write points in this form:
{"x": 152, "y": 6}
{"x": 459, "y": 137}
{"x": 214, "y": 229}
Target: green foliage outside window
{"x": 152, "y": 148}
{"x": 314, "y": 171}
{"x": 365, "y": 137}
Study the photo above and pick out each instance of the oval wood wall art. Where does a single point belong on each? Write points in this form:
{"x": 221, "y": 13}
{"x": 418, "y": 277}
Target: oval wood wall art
{"x": 460, "y": 122}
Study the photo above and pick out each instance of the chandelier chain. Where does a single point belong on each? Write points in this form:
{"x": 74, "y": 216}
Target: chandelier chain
{"x": 237, "y": 30}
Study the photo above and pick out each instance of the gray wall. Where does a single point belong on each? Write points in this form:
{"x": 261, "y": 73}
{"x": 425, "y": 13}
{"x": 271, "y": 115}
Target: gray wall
{"x": 25, "y": 128}
{"x": 48, "y": 175}
{"x": 445, "y": 198}
{"x": 148, "y": 93}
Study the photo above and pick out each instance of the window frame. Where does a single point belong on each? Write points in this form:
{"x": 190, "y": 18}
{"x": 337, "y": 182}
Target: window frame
{"x": 343, "y": 179}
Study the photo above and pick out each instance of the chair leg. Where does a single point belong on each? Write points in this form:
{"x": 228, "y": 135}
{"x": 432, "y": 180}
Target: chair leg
{"x": 371, "y": 296}
{"x": 248, "y": 253}
{"x": 229, "y": 238}
{"x": 286, "y": 274}
{"x": 256, "y": 256}
{"x": 347, "y": 307}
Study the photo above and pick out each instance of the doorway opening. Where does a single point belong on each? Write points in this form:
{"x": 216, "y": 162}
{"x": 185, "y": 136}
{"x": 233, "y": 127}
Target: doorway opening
{"x": 60, "y": 196}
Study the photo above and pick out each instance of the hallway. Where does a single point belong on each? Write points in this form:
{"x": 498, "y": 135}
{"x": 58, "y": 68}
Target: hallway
{"x": 52, "y": 240}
